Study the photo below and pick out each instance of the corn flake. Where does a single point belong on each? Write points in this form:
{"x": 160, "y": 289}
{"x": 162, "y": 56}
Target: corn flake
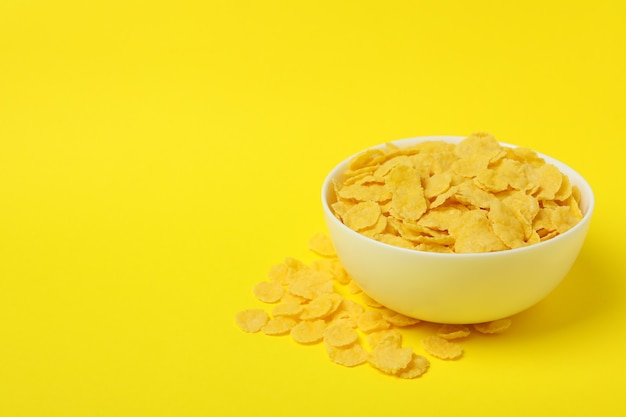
{"x": 389, "y": 357}
{"x": 441, "y": 348}
{"x": 397, "y": 319}
{"x": 493, "y": 327}
{"x": 251, "y": 320}
{"x": 292, "y": 309}
{"x": 453, "y": 331}
{"x": 268, "y": 291}
{"x": 322, "y": 245}
{"x": 416, "y": 367}
{"x": 340, "y": 333}
{"x": 350, "y": 356}
{"x": 279, "y": 325}
{"x": 308, "y": 331}
{"x": 371, "y": 321}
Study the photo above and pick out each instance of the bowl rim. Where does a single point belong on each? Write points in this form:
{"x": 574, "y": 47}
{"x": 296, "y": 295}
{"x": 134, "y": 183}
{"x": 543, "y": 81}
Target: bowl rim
{"x": 587, "y": 193}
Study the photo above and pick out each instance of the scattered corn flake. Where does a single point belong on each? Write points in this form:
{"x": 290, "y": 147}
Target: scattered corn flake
{"x": 252, "y": 319}
{"x": 279, "y": 273}
{"x": 371, "y": 321}
{"x": 493, "y": 327}
{"x": 441, "y": 348}
{"x": 389, "y": 357}
{"x": 295, "y": 264}
{"x": 416, "y": 367}
{"x": 398, "y": 319}
{"x": 333, "y": 267}
{"x": 375, "y": 337}
{"x": 311, "y": 311}
{"x": 353, "y": 287}
{"x": 350, "y": 356}
{"x": 268, "y": 291}
{"x": 337, "y": 300}
{"x": 318, "y": 308}
{"x": 370, "y": 301}
{"x": 340, "y": 333}
{"x": 349, "y": 309}
{"x": 322, "y": 245}
{"x": 453, "y": 331}
{"x": 289, "y": 298}
{"x": 279, "y": 325}
{"x": 292, "y": 309}
{"x": 308, "y": 331}
{"x": 309, "y": 283}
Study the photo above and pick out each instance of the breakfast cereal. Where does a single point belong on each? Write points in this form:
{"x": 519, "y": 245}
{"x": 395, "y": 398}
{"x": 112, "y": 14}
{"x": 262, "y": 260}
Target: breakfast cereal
{"x": 475, "y": 196}
{"x": 319, "y": 302}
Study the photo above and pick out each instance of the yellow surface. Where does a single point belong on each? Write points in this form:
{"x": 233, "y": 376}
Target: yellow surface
{"x": 157, "y": 158}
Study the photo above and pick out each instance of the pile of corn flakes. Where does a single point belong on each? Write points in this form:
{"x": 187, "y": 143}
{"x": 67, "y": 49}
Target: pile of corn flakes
{"x": 319, "y": 303}
{"x": 474, "y": 196}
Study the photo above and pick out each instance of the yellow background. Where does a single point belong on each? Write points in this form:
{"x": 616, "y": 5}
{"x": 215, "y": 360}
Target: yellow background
{"x": 157, "y": 158}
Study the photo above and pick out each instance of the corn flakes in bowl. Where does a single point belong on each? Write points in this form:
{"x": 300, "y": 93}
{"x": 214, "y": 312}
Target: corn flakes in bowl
{"x": 456, "y": 230}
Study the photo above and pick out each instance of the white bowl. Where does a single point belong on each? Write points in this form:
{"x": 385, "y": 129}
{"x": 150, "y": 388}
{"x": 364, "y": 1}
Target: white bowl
{"x": 457, "y": 288}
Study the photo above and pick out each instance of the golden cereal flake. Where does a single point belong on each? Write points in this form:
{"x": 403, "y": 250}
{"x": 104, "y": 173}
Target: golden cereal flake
{"x": 309, "y": 283}
{"x": 374, "y": 338}
{"x": 437, "y": 184}
{"x": 279, "y": 273}
{"x": 350, "y": 310}
{"x": 364, "y": 158}
{"x": 322, "y": 245}
{"x": 370, "y": 301}
{"x": 292, "y": 309}
{"x": 319, "y": 307}
{"x": 407, "y": 201}
{"x": 308, "y": 331}
{"x": 268, "y": 291}
{"x": 333, "y": 267}
{"x": 290, "y": 298}
{"x": 416, "y": 367}
{"x": 350, "y": 356}
{"x": 371, "y": 321}
{"x": 506, "y": 225}
{"x": 493, "y": 327}
{"x": 441, "y": 348}
{"x": 353, "y": 287}
{"x": 389, "y": 357}
{"x": 362, "y": 215}
{"x": 550, "y": 179}
{"x": 394, "y": 240}
{"x": 340, "y": 333}
{"x": 279, "y": 325}
{"x": 364, "y": 192}
{"x": 397, "y": 319}
{"x": 482, "y": 144}
{"x": 453, "y": 331}
{"x": 476, "y": 235}
{"x": 251, "y": 320}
